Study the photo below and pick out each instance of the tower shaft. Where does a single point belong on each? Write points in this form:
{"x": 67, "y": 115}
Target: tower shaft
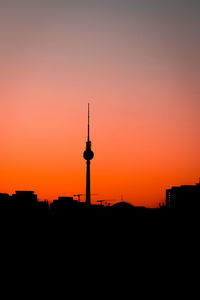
{"x": 88, "y": 194}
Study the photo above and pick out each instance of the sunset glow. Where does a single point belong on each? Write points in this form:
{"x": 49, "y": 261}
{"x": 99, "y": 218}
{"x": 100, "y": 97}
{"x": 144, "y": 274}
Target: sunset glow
{"x": 136, "y": 62}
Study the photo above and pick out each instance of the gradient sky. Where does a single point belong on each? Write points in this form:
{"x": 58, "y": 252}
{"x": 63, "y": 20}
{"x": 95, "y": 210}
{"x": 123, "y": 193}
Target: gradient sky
{"x": 138, "y": 64}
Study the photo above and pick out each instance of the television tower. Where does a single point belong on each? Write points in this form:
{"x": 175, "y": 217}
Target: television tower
{"x": 88, "y": 155}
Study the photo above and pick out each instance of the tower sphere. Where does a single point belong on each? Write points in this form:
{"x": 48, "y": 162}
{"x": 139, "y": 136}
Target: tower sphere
{"x": 88, "y": 154}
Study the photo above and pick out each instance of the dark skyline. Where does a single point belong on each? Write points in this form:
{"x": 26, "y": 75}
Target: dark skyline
{"x": 133, "y": 219}
{"x": 182, "y": 204}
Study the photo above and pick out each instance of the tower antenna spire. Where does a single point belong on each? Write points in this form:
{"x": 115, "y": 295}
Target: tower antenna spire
{"x": 88, "y": 122}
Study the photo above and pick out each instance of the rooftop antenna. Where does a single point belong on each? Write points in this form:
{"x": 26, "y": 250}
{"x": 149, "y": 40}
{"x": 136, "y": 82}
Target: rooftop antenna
{"x": 122, "y": 198}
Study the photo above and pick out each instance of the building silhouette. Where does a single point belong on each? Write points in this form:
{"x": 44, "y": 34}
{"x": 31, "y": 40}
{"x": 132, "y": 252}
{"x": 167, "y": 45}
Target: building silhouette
{"x": 4, "y": 197}
{"x": 25, "y": 198}
{"x": 88, "y": 156}
{"x": 62, "y": 206}
{"x": 23, "y": 205}
{"x": 184, "y": 197}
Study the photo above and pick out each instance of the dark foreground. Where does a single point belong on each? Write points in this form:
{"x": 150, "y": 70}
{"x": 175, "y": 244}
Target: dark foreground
{"x": 114, "y": 252}
{"x": 102, "y": 225}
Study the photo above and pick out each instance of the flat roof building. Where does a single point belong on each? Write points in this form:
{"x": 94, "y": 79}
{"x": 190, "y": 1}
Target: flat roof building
{"x": 183, "y": 197}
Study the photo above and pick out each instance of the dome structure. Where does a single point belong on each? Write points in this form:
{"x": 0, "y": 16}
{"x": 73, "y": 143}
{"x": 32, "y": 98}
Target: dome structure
{"x": 123, "y": 205}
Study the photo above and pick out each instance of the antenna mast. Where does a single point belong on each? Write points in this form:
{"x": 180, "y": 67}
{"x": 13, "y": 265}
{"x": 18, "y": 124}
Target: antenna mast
{"x": 88, "y": 122}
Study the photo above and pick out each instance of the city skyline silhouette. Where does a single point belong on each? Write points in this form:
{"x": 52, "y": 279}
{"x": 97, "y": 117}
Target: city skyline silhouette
{"x": 88, "y": 156}
{"x": 136, "y": 62}
{"x": 25, "y": 205}
{"x": 99, "y": 151}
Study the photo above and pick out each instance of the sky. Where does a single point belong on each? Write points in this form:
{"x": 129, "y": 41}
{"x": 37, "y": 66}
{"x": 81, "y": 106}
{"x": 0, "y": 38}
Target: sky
{"x": 138, "y": 65}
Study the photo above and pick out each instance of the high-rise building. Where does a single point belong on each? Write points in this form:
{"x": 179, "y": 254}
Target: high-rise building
{"x": 183, "y": 197}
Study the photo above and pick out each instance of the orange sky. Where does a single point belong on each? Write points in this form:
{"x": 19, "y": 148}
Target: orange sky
{"x": 139, "y": 71}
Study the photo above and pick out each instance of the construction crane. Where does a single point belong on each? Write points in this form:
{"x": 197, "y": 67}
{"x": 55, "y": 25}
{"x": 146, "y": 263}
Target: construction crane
{"x": 79, "y": 196}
